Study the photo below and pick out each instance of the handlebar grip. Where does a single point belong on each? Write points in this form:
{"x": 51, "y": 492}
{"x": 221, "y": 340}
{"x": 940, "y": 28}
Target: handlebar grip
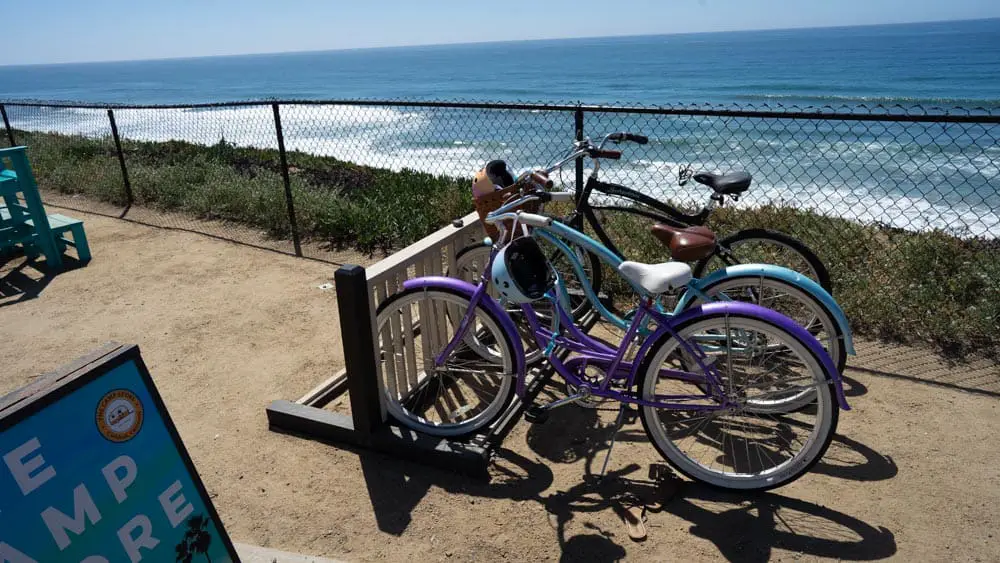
{"x": 534, "y": 220}
{"x": 529, "y": 219}
{"x": 641, "y": 139}
{"x": 542, "y": 180}
{"x": 604, "y": 153}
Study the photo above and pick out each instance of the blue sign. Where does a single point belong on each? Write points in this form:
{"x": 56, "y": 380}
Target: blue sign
{"x": 99, "y": 475}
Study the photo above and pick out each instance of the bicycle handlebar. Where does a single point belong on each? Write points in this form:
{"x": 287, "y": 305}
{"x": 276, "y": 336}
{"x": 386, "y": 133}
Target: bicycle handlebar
{"x": 543, "y": 197}
{"x": 529, "y": 219}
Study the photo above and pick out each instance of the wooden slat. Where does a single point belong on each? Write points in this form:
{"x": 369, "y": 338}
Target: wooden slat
{"x": 386, "y": 344}
{"x": 398, "y": 350}
{"x": 410, "y": 359}
{"x": 426, "y": 336}
{"x": 440, "y": 327}
{"x": 380, "y": 380}
{"x": 450, "y": 252}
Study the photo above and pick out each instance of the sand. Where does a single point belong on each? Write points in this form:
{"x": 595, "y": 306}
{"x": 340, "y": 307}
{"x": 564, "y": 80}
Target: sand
{"x": 227, "y": 328}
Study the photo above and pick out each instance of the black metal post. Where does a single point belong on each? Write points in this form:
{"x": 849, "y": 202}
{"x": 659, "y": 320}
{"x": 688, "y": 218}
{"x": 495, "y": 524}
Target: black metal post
{"x": 121, "y": 159}
{"x": 353, "y": 300}
{"x": 578, "y": 126}
{"x": 288, "y": 183}
{"x": 6, "y": 124}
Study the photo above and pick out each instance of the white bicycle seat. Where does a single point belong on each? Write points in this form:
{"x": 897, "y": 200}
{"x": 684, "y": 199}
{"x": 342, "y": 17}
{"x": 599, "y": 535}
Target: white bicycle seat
{"x": 657, "y": 278}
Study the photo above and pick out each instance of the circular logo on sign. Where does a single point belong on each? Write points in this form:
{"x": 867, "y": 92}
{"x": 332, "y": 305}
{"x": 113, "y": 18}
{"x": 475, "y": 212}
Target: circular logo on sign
{"x": 119, "y": 415}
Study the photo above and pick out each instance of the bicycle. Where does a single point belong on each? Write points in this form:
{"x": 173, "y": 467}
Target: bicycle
{"x": 775, "y": 287}
{"x": 732, "y": 185}
{"x": 721, "y": 364}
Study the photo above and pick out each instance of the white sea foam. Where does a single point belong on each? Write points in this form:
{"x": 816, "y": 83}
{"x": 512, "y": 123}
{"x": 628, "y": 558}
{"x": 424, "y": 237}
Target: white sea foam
{"x": 396, "y": 139}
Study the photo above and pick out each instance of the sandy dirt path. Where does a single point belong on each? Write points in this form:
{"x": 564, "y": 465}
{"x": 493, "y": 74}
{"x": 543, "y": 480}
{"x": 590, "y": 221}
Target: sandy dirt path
{"x": 225, "y": 329}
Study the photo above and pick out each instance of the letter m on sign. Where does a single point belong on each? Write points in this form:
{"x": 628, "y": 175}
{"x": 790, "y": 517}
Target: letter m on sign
{"x": 83, "y": 509}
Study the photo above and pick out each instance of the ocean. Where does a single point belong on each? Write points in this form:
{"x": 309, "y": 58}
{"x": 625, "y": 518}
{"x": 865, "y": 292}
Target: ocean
{"x": 913, "y": 176}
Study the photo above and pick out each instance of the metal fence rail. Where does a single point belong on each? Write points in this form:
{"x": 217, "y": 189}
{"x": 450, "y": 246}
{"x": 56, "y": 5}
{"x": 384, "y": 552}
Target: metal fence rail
{"x": 858, "y": 184}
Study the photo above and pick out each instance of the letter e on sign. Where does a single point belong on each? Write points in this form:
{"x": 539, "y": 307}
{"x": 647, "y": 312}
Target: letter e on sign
{"x": 27, "y": 471}
{"x": 174, "y": 506}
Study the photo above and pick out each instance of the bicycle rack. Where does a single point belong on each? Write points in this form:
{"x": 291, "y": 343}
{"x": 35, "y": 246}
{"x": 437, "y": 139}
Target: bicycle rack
{"x": 368, "y": 427}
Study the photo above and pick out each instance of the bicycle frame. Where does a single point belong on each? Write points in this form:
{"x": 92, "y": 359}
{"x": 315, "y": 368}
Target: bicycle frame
{"x": 694, "y": 289}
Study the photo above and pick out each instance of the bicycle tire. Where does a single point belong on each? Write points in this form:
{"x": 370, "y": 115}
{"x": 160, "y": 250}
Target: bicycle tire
{"x": 506, "y": 388}
{"x": 819, "y": 273}
{"x": 827, "y": 418}
{"x": 839, "y": 356}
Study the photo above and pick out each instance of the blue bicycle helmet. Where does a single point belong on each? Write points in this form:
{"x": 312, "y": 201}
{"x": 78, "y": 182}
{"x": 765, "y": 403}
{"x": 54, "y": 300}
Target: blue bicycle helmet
{"x": 521, "y": 273}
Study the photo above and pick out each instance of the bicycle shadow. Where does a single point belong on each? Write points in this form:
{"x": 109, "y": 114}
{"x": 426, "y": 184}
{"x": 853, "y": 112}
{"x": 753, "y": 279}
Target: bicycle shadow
{"x": 749, "y": 528}
{"x": 766, "y": 520}
{"x": 742, "y": 526}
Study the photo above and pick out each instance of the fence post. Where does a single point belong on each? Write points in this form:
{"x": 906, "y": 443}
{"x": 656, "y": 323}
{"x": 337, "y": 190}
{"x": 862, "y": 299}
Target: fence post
{"x": 354, "y": 306}
{"x": 288, "y": 183}
{"x": 121, "y": 159}
{"x": 578, "y": 127}
{"x": 6, "y": 124}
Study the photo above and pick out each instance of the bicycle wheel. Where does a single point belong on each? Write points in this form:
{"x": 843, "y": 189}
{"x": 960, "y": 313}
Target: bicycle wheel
{"x": 763, "y": 246}
{"x": 740, "y": 447}
{"x": 474, "y": 385}
{"x": 788, "y": 300}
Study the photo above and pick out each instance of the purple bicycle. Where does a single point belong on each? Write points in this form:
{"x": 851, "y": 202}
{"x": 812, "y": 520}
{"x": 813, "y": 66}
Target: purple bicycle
{"x": 709, "y": 382}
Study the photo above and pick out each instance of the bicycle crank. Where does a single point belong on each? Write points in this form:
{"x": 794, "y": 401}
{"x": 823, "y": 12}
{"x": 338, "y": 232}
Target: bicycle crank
{"x": 538, "y": 414}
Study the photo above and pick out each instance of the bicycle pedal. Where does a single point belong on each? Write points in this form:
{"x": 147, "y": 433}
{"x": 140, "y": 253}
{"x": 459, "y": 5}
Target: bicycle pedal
{"x": 536, "y": 414}
{"x": 631, "y": 415}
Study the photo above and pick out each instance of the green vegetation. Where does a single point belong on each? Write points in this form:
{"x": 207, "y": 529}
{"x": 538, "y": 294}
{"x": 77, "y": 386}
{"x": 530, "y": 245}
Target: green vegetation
{"x": 335, "y": 202}
{"x": 909, "y": 287}
{"x": 930, "y": 287}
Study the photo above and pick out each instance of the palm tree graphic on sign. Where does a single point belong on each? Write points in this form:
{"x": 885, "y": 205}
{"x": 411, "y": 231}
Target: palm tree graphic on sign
{"x": 196, "y": 540}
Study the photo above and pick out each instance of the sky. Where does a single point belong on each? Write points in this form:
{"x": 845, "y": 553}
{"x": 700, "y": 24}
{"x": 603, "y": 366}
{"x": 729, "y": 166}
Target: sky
{"x": 60, "y": 31}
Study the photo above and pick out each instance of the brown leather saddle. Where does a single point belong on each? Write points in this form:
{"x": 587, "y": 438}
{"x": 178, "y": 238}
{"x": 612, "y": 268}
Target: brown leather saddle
{"x": 686, "y": 244}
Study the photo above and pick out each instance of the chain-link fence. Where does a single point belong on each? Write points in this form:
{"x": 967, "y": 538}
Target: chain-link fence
{"x": 901, "y": 204}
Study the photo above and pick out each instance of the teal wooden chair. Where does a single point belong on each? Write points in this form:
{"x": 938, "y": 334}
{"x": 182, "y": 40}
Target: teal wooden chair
{"x": 23, "y": 220}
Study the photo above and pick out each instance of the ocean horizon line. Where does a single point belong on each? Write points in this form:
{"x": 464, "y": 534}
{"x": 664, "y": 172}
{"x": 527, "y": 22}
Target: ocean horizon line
{"x": 488, "y": 43}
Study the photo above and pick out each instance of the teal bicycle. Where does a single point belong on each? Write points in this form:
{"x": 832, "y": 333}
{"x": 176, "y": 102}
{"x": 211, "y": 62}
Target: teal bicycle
{"x": 784, "y": 290}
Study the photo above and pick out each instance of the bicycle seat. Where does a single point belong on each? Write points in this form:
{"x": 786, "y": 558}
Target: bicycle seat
{"x": 732, "y": 183}
{"x": 688, "y": 244}
{"x": 656, "y": 278}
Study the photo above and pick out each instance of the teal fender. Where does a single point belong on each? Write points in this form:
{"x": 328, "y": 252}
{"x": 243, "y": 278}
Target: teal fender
{"x": 787, "y": 275}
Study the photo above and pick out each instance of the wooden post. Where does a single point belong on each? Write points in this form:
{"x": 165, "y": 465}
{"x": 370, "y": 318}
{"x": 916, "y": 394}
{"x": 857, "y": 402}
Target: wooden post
{"x": 353, "y": 303}
{"x": 288, "y": 183}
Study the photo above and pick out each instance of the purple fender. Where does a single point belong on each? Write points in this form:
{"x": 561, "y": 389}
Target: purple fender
{"x": 467, "y": 289}
{"x": 765, "y": 314}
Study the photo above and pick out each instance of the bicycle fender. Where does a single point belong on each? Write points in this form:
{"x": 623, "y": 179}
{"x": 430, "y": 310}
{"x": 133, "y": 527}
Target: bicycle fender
{"x": 789, "y": 276}
{"x": 467, "y": 289}
{"x": 764, "y": 314}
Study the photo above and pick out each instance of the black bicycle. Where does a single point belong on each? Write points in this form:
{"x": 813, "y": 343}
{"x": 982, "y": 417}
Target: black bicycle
{"x": 684, "y": 234}
{"x": 745, "y": 246}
